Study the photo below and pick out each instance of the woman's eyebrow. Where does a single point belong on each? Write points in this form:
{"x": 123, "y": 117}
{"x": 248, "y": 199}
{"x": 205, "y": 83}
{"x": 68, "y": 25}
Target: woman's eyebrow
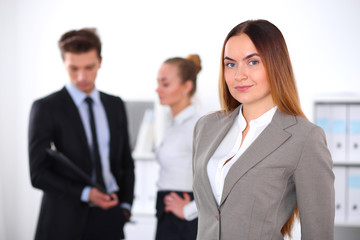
{"x": 250, "y": 56}
{"x": 245, "y": 58}
{"x": 227, "y": 58}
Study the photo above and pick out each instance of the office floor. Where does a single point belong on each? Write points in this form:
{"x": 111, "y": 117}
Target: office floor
{"x": 141, "y": 227}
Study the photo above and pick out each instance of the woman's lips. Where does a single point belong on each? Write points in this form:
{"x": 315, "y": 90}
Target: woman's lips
{"x": 243, "y": 88}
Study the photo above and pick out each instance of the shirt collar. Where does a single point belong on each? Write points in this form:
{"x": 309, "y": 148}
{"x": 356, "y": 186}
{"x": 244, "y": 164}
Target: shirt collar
{"x": 79, "y": 96}
{"x": 260, "y": 121}
{"x": 184, "y": 115}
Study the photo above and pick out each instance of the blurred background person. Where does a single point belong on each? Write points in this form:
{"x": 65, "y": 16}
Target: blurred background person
{"x": 90, "y": 128}
{"x": 175, "y": 208}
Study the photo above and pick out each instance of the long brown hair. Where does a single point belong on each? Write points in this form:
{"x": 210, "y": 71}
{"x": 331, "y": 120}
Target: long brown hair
{"x": 273, "y": 51}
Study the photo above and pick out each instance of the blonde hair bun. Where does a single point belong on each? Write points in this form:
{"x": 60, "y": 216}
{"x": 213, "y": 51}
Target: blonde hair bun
{"x": 196, "y": 60}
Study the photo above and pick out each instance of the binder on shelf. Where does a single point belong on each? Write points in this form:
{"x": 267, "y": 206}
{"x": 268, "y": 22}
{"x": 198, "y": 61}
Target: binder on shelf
{"x": 337, "y": 145}
{"x": 353, "y": 207}
{"x": 340, "y": 194}
{"x": 353, "y": 147}
{"x": 323, "y": 120}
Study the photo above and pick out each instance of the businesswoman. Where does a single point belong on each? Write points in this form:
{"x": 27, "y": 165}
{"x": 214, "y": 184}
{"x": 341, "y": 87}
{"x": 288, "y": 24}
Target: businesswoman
{"x": 258, "y": 163}
{"x": 176, "y": 209}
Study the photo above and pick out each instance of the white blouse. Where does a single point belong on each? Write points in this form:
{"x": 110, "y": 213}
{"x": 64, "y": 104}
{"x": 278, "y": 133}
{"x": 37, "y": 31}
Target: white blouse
{"x": 230, "y": 148}
{"x": 174, "y": 156}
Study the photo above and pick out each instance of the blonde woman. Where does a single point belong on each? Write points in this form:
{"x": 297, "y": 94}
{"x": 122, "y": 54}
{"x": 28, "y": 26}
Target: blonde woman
{"x": 176, "y": 209}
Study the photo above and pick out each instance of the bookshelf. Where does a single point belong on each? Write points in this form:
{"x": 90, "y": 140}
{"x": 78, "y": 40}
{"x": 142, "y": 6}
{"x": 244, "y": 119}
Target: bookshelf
{"x": 339, "y": 116}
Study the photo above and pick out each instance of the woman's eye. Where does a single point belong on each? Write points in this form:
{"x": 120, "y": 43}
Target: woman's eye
{"x": 253, "y": 62}
{"x": 230, "y": 65}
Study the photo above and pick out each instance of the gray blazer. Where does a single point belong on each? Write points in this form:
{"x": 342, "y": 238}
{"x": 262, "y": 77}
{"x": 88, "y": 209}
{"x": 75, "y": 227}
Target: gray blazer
{"x": 287, "y": 165}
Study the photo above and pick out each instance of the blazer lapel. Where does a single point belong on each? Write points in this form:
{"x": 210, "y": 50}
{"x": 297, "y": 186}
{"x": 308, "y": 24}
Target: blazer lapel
{"x": 71, "y": 111}
{"x": 211, "y": 139}
{"x": 270, "y": 139}
{"x": 217, "y": 132}
{"x": 112, "y": 121}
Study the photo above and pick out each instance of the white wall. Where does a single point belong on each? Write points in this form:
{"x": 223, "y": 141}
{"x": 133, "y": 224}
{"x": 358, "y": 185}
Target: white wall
{"x": 323, "y": 39}
{"x": 9, "y": 123}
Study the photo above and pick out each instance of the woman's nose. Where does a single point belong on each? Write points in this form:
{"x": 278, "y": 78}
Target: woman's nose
{"x": 240, "y": 74}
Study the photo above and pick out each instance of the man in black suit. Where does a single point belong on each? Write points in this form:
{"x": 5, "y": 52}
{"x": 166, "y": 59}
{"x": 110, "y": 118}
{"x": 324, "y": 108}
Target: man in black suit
{"x": 90, "y": 128}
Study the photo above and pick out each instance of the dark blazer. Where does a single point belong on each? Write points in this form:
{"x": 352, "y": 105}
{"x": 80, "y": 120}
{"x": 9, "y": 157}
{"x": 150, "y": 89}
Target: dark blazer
{"x": 55, "y": 120}
{"x": 287, "y": 165}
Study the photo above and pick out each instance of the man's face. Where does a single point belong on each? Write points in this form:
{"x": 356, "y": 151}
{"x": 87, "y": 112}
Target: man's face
{"x": 82, "y": 69}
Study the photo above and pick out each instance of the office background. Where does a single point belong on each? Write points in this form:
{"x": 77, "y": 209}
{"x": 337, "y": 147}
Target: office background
{"x": 323, "y": 39}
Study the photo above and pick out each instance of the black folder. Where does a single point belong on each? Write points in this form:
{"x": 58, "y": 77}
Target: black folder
{"x": 65, "y": 161}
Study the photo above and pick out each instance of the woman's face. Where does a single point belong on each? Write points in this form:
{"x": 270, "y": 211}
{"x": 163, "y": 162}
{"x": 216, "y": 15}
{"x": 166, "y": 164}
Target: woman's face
{"x": 244, "y": 72}
{"x": 170, "y": 88}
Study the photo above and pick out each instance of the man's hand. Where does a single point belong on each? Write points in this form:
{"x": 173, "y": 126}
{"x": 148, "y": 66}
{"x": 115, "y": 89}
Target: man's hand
{"x": 127, "y": 214}
{"x": 102, "y": 200}
{"x": 175, "y": 204}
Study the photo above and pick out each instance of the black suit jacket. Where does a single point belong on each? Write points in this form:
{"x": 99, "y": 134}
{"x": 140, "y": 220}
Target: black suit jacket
{"x": 55, "y": 120}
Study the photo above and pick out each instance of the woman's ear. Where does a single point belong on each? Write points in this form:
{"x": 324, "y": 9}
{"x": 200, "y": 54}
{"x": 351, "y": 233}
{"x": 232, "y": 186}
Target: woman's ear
{"x": 188, "y": 85}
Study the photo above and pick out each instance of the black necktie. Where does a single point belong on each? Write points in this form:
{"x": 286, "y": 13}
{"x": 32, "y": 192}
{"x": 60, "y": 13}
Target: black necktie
{"x": 95, "y": 147}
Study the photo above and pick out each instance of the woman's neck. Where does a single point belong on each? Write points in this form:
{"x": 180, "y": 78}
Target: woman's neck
{"x": 251, "y": 112}
{"x": 178, "y": 107}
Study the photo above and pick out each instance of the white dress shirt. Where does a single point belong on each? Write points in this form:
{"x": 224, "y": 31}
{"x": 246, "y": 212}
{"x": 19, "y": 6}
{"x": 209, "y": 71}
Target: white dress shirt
{"x": 174, "y": 156}
{"x": 102, "y": 130}
{"x": 230, "y": 148}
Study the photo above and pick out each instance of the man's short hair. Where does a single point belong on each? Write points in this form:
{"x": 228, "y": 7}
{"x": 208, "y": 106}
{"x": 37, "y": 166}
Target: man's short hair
{"x": 80, "y": 41}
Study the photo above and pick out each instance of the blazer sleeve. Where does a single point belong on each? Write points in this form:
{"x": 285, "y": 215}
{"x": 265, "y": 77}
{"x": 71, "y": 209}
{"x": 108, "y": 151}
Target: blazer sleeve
{"x": 194, "y": 146}
{"x": 126, "y": 175}
{"x": 314, "y": 182}
{"x": 40, "y": 135}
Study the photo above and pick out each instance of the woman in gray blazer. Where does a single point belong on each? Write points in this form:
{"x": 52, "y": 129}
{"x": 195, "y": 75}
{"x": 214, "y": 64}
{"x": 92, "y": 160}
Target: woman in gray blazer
{"x": 259, "y": 163}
